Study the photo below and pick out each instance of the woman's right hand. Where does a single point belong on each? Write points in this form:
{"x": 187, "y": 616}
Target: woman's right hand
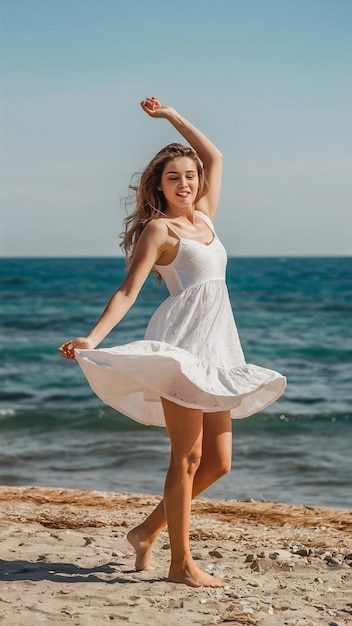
{"x": 67, "y": 350}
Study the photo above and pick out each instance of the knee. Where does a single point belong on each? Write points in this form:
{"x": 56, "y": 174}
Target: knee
{"x": 224, "y": 466}
{"x": 220, "y": 466}
{"x": 193, "y": 461}
{"x": 188, "y": 463}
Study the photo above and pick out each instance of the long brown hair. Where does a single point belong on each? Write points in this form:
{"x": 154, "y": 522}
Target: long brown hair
{"x": 148, "y": 200}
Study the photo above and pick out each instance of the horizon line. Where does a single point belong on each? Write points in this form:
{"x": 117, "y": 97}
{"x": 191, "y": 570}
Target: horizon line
{"x": 230, "y": 256}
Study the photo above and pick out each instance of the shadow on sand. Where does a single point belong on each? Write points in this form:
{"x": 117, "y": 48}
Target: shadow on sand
{"x": 11, "y": 571}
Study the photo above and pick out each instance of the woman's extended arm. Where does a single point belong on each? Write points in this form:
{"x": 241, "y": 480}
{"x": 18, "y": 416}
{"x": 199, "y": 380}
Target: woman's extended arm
{"x": 209, "y": 154}
{"x": 148, "y": 249}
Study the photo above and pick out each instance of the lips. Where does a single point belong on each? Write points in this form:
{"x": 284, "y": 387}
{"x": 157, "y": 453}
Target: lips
{"x": 183, "y": 194}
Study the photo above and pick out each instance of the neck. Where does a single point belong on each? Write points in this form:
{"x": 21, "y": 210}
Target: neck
{"x": 186, "y": 213}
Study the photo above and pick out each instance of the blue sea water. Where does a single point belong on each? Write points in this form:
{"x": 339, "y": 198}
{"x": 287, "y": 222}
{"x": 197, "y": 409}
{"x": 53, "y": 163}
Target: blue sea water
{"x": 293, "y": 315}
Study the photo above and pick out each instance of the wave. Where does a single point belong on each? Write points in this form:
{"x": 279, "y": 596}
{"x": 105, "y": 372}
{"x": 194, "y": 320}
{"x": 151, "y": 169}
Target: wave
{"x": 13, "y": 281}
{"x": 106, "y": 419}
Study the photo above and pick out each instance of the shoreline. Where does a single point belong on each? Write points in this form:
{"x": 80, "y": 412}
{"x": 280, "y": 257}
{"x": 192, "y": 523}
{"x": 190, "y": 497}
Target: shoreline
{"x": 65, "y": 560}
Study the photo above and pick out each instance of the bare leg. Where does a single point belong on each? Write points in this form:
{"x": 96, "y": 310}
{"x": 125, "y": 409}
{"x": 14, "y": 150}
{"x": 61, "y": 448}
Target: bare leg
{"x": 215, "y": 462}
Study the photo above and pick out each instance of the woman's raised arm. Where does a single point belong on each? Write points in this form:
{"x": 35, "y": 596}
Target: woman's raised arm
{"x": 208, "y": 153}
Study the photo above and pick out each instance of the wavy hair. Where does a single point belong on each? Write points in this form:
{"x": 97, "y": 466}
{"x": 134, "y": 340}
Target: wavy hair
{"x": 149, "y": 202}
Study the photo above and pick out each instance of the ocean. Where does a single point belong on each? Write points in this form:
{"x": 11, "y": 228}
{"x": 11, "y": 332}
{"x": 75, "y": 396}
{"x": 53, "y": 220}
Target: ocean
{"x": 293, "y": 315}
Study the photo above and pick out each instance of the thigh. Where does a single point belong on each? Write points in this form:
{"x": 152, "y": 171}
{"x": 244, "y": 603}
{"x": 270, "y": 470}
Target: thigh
{"x": 217, "y": 435}
{"x": 184, "y": 427}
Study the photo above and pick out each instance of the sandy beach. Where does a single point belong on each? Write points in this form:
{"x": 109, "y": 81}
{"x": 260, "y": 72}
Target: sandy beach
{"x": 65, "y": 560}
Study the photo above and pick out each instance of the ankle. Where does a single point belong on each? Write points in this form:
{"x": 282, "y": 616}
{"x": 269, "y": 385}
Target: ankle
{"x": 144, "y": 534}
{"x": 182, "y": 562}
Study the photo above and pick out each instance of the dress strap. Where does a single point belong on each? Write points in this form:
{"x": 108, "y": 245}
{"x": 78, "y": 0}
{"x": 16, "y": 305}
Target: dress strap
{"x": 170, "y": 227}
{"x": 206, "y": 219}
{"x": 203, "y": 217}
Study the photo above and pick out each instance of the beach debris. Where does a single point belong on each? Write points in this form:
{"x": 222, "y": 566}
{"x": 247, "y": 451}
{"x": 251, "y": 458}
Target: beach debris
{"x": 237, "y": 615}
{"x": 263, "y": 561}
{"x": 261, "y": 565}
{"x": 232, "y": 595}
{"x": 64, "y": 611}
{"x": 330, "y": 560}
{"x": 216, "y": 554}
{"x": 302, "y": 551}
{"x": 88, "y": 540}
{"x": 308, "y": 598}
{"x": 246, "y": 607}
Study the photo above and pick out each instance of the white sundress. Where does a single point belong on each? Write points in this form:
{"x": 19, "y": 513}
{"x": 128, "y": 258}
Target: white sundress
{"x": 191, "y": 353}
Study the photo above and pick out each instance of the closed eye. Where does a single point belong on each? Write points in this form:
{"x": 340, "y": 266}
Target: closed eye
{"x": 191, "y": 177}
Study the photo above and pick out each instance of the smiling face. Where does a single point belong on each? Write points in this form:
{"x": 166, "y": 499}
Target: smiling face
{"x": 179, "y": 183}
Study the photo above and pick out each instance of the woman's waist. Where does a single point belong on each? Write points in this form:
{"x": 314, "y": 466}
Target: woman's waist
{"x": 188, "y": 288}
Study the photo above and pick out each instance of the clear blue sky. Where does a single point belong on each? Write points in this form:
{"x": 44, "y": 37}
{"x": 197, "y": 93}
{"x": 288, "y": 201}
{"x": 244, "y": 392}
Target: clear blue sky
{"x": 266, "y": 80}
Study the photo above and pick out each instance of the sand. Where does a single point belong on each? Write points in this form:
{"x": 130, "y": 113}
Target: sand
{"x": 65, "y": 560}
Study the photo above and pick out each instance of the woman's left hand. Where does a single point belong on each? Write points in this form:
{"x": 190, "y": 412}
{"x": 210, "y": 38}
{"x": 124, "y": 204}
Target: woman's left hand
{"x": 153, "y": 108}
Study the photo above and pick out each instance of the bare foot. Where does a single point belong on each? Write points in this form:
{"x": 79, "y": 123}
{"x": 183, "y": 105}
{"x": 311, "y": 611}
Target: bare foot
{"x": 142, "y": 548}
{"x": 194, "y": 577}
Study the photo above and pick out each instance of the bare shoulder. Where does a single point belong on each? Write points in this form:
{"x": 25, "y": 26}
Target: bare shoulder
{"x": 156, "y": 229}
{"x": 154, "y": 235}
{"x": 150, "y": 245}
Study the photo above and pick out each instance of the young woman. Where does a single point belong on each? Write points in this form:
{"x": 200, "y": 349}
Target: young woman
{"x": 189, "y": 373}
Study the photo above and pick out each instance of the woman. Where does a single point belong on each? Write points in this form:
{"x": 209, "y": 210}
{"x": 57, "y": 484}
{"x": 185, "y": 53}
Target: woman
{"x": 189, "y": 372}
